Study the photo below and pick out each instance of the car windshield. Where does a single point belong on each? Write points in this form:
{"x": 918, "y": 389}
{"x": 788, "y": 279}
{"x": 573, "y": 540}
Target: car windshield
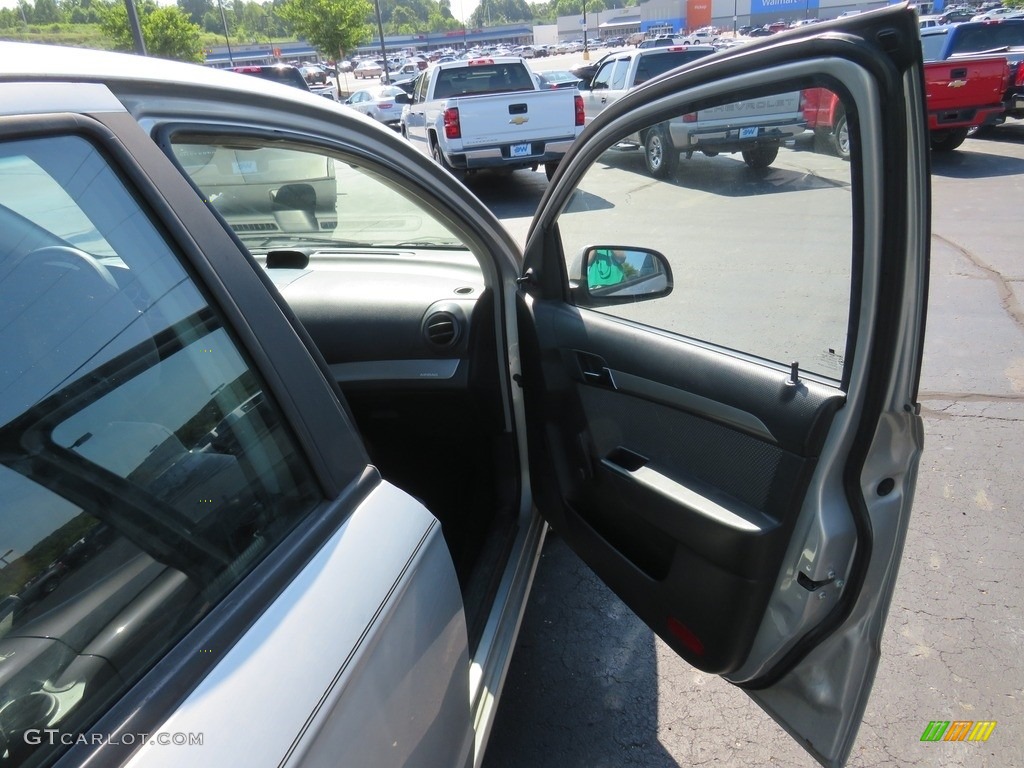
{"x": 283, "y": 197}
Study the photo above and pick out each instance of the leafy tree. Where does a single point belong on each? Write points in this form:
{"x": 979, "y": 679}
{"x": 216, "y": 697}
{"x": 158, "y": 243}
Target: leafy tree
{"x": 196, "y": 9}
{"x": 46, "y": 12}
{"x": 167, "y": 31}
{"x": 170, "y": 34}
{"x": 332, "y": 26}
{"x": 493, "y": 12}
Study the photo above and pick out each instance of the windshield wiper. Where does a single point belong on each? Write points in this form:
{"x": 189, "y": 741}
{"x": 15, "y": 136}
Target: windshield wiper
{"x": 448, "y": 245}
{"x": 298, "y": 242}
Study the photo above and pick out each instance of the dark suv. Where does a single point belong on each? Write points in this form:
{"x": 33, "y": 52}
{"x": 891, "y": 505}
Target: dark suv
{"x": 289, "y": 75}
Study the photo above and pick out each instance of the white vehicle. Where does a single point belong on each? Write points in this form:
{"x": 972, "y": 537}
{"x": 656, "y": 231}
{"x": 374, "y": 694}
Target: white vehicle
{"x": 702, "y": 36}
{"x": 999, "y": 13}
{"x": 754, "y": 127}
{"x": 489, "y": 113}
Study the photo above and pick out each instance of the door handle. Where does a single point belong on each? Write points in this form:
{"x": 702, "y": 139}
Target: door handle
{"x": 595, "y": 371}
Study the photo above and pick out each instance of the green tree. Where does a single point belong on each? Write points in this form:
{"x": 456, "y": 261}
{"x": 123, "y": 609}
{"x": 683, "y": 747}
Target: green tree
{"x": 46, "y": 12}
{"x": 195, "y": 9}
{"x": 332, "y": 26}
{"x": 167, "y": 32}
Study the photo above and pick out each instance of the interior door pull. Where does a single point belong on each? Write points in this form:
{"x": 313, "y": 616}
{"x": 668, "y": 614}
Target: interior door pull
{"x": 600, "y": 378}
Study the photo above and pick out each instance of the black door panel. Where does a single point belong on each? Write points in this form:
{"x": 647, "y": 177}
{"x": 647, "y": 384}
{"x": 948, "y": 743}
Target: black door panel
{"x": 681, "y": 494}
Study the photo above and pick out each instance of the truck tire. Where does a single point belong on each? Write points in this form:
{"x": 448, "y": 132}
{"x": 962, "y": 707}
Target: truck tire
{"x": 549, "y": 170}
{"x": 660, "y": 157}
{"x": 840, "y": 138}
{"x": 947, "y": 141}
{"x": 438, "y": 155}
{"x": 761, "y": 157}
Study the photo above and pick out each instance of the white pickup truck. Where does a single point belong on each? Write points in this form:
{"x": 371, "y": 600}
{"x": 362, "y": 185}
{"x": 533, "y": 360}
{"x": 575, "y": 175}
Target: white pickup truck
{"x": 755, "y": 127}
{"x": 489, "y": 113}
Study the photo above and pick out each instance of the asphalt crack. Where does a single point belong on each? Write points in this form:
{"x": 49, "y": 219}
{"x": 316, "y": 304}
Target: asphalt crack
{"x": 1007, "y": 299}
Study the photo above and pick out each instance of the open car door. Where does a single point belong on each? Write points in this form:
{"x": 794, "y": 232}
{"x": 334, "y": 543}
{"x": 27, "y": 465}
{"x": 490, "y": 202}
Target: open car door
{"x": 736, "y": 457}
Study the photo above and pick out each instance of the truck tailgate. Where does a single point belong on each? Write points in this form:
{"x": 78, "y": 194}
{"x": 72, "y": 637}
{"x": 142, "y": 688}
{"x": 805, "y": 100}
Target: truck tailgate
{"x": 779, "y": 105}
{"x": 517, "y": 117}
{"x": 962, "y": 83}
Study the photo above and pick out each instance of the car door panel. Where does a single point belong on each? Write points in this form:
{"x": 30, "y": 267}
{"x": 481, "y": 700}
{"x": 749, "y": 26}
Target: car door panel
{"x": 709, "y": 493}
{"x": 749, "y": 509}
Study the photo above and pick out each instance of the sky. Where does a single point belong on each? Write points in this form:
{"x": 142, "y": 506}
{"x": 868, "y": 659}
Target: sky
{"x": 461, "y": 9}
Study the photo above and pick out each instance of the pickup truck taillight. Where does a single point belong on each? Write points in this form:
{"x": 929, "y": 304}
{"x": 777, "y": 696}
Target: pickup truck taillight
{"x": 1018, "y": 81}
{"x": 452, "y": 128}
{"x": 581, "y": 115}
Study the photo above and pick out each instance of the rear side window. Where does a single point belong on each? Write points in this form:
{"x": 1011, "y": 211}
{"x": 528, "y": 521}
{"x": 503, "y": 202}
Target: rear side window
{"x": 144, "y": 468}
{"x": 655, "y": 64}
{"x": 287, "y": 75}
{"x": 989, "y": 37}
{"x": 931, "y": 46}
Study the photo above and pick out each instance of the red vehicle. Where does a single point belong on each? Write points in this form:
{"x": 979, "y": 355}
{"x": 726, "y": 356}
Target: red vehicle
{"x": 960, "y": 94}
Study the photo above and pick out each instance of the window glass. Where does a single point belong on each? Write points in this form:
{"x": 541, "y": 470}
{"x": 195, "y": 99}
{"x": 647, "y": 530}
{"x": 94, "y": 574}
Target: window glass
{"x": 758, "y": 232}
{"x": 144, "y": 469}
{"x": 279, "y": 196}
{"x": 603, "y": 76}
{"x": 618, "y": 81}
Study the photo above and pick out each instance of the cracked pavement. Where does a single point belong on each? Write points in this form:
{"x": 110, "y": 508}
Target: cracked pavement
{"x": 591, "y": 686}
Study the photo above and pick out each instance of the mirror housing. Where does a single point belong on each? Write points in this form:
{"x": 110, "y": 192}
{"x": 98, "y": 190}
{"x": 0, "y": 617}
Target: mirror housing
{"x": 603, "y": 275}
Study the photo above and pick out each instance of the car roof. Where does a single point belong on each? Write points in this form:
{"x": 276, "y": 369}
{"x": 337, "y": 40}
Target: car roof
{"x": 20, "y": 62}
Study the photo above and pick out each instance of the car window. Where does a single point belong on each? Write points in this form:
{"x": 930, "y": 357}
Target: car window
{"x": 931, "y": 45}
{"x": 761, "y": 251}
{"x": 276, "y": 196}
{"x": 618, "y": 79}
{"x": 604, "y": 76}
{"x": 144, "y": 467}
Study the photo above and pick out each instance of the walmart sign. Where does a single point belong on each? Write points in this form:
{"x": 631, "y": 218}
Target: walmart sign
{"x": 769, "y": 7}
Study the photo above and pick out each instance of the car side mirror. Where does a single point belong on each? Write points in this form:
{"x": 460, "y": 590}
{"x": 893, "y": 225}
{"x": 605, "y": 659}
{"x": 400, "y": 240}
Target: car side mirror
{"x": 604, "y": 275}
{"x": 403, "y": 98}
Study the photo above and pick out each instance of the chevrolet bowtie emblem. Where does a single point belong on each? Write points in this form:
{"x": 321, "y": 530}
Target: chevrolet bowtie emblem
{"x": 518, "y": 120}
{"x": 956, "y": 83}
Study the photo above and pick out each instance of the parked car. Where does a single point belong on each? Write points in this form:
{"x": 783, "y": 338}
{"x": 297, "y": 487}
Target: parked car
{"x": 995, "y": 14}
{"x": 368, "y": 68}
{"x": 558, "y": 78}
{"x": 383, "y": 103}
{"x": 323, "y": 403}
{"x": 1004, "y": 37}
{"x": 955, "y": 17}
{"x": 702, "y": 36}
{"x": 314, "y": 75}
{"x": 291, "y": 75}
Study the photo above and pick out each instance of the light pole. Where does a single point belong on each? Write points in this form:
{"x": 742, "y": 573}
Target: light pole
{"x": 383, "y": 49}
{"x": 586, "y": 52}
{"x": 227, "y": 41}
{"x": 734, "y": 18}
{"x": 133, "y": 23}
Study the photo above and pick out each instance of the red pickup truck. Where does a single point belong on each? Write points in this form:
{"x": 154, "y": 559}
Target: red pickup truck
{"x": 960, "y": 94}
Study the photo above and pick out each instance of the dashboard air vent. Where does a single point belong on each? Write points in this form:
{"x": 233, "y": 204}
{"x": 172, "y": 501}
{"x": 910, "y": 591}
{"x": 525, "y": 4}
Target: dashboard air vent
{"x": 442, "y": 329}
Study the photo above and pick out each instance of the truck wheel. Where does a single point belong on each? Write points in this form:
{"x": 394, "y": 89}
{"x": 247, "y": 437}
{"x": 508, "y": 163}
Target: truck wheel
{"x": 549, "y": 170}
{"x": 438, "y": 155}
{"x": 761, "y": 157}
{"x": 947, "y": 141}
{"x": 840, "y": 138}
{"x": 660, "y": 156}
